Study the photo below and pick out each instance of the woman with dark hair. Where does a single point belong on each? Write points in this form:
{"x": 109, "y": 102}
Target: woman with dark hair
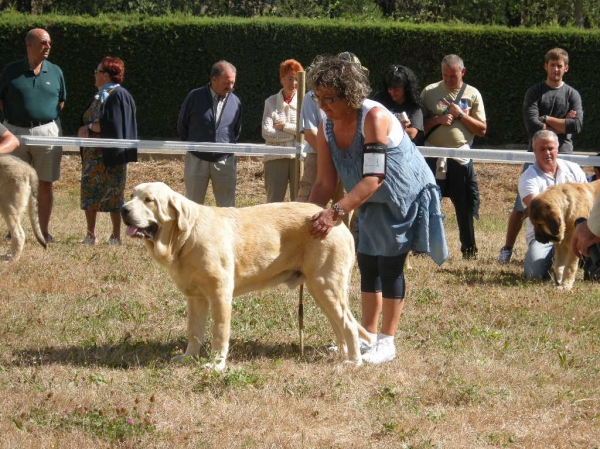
{"x": 279, "y": 128}
{"x": 387, "y": 180}
{"x": 110, "y": 115}
{"x": 400, "y": 94}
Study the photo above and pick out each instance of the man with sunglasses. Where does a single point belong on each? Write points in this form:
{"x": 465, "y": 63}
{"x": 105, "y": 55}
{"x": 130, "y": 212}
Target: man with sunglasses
{"x": 32, "y": 94}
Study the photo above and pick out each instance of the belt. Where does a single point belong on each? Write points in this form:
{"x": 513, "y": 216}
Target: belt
{"x": 30, "y": 124}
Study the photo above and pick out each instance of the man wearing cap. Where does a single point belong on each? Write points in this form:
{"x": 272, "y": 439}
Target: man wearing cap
{"x": 32, "y": 94}
{"x": 454, "y": 116}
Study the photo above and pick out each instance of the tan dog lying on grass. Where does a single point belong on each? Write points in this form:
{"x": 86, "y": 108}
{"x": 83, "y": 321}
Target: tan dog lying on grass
{"x": 18, "y": 189}
{"x": 553, "y": 213}
{"x": 215, "y": 254}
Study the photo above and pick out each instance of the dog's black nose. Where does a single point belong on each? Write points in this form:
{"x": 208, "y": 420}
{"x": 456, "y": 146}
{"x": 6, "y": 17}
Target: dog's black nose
{"x": 124, "y": 212}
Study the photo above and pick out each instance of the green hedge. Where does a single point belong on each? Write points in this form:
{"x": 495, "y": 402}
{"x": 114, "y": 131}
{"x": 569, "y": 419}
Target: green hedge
{"x": 167, "y": 57}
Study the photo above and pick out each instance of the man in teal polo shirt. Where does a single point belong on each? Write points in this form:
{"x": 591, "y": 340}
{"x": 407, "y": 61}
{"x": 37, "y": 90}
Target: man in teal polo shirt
{"x": 32, "y": 94}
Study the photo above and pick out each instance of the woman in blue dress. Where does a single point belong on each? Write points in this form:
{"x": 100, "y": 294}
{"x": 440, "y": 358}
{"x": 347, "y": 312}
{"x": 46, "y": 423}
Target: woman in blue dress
{"x": 388, "y": 182}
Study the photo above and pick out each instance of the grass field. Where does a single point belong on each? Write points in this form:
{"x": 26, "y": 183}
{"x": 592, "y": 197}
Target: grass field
{"x": 485, "y": 359}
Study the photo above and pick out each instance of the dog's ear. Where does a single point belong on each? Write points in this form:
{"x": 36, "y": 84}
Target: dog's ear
{"x": 162, "y": 209}
{"x": 554, "y": 221}
{"x": 180, "y": 212}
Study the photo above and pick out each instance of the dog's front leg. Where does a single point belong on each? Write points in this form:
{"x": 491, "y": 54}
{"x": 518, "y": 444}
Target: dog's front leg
{"x": 221, "y": 327}
{"x": 197, "y": 313}
{"x": 570, "y": 271}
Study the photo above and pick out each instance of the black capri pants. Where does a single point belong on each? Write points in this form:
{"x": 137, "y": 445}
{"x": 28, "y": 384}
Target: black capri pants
{"x": 382, "y": 274}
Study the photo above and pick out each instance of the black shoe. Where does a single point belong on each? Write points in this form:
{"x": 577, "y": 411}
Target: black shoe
{"x": 470, "y": 253}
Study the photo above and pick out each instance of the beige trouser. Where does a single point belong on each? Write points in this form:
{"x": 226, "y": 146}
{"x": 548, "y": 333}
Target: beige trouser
{"x": 308, "y": 177}
{"x": 197, "y": 173}
{"x": 44, "y": 159}
{"x": 278, "y": 174}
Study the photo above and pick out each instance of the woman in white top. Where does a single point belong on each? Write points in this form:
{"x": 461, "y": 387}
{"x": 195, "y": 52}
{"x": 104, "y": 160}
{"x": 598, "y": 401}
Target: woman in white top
{"x": 279, "y": 128}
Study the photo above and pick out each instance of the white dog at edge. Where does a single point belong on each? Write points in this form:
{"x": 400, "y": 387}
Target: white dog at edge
{"x": 215, "y": 254}
{"x": 18, "y": 191}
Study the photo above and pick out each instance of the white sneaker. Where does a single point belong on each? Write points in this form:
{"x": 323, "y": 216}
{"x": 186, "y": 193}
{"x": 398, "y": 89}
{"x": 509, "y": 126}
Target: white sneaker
{"x": 505, "y": 255}
{"x": 383, "y": 351}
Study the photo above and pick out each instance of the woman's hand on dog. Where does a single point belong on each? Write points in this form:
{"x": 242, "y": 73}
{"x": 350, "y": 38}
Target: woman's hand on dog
{"x": 323, "y": 222}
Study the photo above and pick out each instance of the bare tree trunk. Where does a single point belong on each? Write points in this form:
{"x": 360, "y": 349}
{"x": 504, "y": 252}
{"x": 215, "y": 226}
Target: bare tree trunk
{"x": 579, "y": 19}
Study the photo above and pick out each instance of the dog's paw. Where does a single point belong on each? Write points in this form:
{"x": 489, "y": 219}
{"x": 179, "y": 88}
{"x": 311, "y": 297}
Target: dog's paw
{"x": 565, "y": 287}
{"x": 217, "y": 365}
{"x": 356, "y": 363}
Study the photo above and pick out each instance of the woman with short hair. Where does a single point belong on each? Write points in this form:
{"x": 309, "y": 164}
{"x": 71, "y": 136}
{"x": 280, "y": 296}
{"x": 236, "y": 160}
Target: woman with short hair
{"x": 110, "y": 115}
{"x": 279, "y": 128}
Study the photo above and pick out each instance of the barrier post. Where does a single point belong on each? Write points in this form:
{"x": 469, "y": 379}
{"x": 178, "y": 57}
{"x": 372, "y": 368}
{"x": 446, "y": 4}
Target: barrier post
{"x": 299, "y": 167}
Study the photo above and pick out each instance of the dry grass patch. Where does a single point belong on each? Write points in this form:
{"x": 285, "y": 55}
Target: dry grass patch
{"x": 486, "y": 359}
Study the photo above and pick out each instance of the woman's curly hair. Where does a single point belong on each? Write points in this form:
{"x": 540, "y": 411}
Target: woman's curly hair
{"x": 347, "y": 78}
{"x": 402, "y": 76}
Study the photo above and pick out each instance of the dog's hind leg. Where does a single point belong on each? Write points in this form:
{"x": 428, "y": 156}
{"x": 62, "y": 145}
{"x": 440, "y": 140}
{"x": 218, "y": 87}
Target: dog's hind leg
{"x": 197, "y": 315}
{"x": 12, "y": 214}
{"x": 332, "y": 297}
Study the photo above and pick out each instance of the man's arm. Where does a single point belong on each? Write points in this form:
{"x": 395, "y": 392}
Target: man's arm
{"x": 574, "y": 120}
{"x": 531, "y": 111}
{"x": 443, "y": 120}
{"x": 238, "y": 124}
{"x": 588, "y": 233}
{"x": 310, "y": 135}
{"x": 474, "y": 125}
{"x": 8, "y": 142}
{"x": 183, "y": 120}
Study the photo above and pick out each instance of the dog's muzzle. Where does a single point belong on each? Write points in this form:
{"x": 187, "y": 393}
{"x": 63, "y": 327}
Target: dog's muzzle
{"x": 134, "y": 231}
{"x": 542, "y": 237}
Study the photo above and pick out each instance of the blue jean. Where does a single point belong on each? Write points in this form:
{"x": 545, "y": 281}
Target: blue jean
{"x": 538, "y": 260}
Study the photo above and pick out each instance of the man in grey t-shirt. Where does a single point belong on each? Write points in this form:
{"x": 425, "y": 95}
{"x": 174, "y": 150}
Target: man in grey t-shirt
{"x": 550, "y": 105}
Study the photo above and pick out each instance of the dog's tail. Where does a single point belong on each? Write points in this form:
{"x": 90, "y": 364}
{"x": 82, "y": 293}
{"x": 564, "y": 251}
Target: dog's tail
{"x": 362, "y": 333}
{"x": 33, "y": 209}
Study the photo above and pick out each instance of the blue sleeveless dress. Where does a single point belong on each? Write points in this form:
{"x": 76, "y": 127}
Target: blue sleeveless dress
{"x": 404, "y": 213}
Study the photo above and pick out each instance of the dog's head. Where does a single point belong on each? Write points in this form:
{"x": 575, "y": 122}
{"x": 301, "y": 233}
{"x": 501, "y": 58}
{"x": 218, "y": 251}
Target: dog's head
{"x": 158, "y": 215}
{"x": 546, "y": 215}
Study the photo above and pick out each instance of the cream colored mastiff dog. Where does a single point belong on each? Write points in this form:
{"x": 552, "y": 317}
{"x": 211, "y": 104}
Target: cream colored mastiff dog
{"x": 214, "y": 254}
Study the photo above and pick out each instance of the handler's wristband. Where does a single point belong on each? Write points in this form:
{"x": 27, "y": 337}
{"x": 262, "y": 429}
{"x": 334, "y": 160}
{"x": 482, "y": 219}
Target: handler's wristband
{"x": 336, "y": 207}
{"x": 374, "y": 160}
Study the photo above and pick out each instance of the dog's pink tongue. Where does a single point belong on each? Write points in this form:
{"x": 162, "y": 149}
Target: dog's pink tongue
{"x": 131, "y": 230}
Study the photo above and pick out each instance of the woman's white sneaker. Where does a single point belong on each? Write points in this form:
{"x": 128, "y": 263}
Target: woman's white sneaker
{"x": 382, "y": 351}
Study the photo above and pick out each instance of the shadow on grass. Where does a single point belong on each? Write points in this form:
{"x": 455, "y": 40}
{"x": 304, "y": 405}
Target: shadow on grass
{"x": 486, "y": 277}
{"x": 155, "y": 353}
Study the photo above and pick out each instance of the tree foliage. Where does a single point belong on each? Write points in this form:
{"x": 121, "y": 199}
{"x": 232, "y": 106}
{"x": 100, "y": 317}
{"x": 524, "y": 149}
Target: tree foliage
{"x": 512, "y": 13}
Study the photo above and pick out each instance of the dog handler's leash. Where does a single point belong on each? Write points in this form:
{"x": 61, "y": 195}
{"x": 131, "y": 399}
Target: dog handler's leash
{"x": 301, "y": 319}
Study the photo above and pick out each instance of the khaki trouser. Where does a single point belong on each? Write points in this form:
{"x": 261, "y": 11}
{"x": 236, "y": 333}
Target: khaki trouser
{"x": 197, "y": 174}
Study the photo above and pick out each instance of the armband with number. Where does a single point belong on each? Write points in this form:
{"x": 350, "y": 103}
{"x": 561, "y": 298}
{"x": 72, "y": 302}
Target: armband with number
{"x": 374, "y": 160}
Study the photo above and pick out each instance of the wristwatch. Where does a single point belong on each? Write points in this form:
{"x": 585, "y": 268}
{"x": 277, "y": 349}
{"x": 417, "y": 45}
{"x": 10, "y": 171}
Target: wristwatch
{"x": 544, "y": 118}
{"x": 461, "y": 115}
